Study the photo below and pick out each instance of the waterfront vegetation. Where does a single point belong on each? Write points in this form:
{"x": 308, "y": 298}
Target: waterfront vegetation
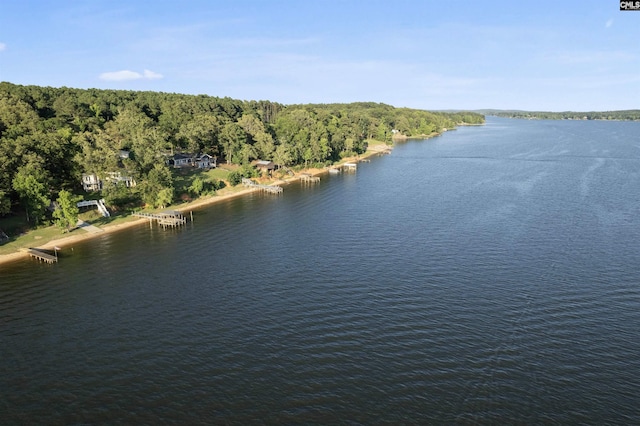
{"x": 627, "y": 115}
{"x": 51, "y": 137}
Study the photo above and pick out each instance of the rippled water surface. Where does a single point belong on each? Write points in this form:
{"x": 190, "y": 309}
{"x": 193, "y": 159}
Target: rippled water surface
{"x": 490, "y": 275}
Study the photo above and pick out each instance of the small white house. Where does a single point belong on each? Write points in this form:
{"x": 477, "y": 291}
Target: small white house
{"x": 117, "y": 177}
{"x": 181, "y": 160}
{"x": 91, "y": 182}
{"x": 202, "y": 161}
{"x": 205, "y": 161}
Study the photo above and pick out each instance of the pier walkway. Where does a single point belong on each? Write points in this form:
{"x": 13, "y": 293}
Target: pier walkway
{"x": 167, "y": 218}
{"x": 42, "y": 256}
{"x": 308, "y": 178}
{"x": 272, "y": 189}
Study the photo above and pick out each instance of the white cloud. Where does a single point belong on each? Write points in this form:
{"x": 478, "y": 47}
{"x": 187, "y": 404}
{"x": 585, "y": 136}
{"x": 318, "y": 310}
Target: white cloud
{"x": 126, "y": 75}
{"x": 3, "y": 47}
{"x": 150, "y": 75}
{"x": 609, "y": 23}
{"x": 120, "y": 75}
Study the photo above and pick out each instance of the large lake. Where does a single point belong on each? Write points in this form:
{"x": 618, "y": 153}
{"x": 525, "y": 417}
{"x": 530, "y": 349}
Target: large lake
{"x": 490, "y": 275}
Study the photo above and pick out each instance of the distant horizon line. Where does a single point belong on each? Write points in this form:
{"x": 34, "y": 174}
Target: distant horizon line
{"x": 476, "y": 110}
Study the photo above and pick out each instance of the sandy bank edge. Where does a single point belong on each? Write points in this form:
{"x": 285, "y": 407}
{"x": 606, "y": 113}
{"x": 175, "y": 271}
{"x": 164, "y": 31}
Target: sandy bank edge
{"x": 107, "y": 229}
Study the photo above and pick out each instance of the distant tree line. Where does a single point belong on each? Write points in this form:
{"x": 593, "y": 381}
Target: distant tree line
{"x": 50, "y": 136}
{"x": 626, "y": 115}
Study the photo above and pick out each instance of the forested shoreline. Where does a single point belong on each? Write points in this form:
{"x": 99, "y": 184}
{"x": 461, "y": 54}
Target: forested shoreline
{"x": 51, "y": 137}
{"x": 621, "y": 115}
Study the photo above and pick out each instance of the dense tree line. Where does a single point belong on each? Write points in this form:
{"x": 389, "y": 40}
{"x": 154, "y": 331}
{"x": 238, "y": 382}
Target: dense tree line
{"x": 627, "y": 115}
{"x": 49, "y": 137}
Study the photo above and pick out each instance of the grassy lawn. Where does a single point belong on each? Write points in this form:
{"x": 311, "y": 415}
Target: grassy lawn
{"x": 183, "y": 178}
{"x": 21, "y": 236}
{"x": 34, "y": 237}
{"x": 220, "y": 174}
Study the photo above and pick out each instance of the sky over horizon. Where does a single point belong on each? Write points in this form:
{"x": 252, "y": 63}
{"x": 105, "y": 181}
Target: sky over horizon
{"x": 426, "y": 54}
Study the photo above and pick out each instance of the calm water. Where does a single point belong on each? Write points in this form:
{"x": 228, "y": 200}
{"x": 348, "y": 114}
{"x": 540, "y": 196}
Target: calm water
{"x": 491, "y": 275}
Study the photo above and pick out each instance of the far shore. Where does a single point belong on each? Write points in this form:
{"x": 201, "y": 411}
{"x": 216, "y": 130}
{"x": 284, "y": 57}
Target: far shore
{"x": 81, "y": 235}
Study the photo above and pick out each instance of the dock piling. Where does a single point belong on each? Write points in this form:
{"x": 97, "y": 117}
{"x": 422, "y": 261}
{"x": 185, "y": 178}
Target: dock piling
{"x": 272, "y": 189}
{"x": 42, "y": 256}
{"x": 164, "y": 219}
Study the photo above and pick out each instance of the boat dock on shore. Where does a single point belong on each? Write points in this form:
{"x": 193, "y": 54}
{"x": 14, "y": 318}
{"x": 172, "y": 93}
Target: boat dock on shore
{"x": 271, "y": 189}
{"x": 309, "y": 178}
{"x": 42, "y": 256}
{"x": 168, "y": 218}
{"x": 350, "y": 167}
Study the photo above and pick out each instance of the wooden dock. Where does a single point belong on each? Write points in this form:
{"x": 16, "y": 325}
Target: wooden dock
{"x": 271, "y": 189}
{"x": 42, "y": 256}
{"x": 308, "y": 178}
{"x": 350, "y": 167}
{"x": 165, "y": 219}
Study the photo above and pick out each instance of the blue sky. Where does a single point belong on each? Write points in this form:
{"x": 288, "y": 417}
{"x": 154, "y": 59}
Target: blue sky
{"x": 579, "y": 55}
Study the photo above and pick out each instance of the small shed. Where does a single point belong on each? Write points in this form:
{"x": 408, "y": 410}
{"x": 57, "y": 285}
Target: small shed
{"x": 265, "y": 166}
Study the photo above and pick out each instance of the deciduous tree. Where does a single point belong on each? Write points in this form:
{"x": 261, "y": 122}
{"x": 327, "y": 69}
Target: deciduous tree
{"x": 32, "y": 186}
{"x": 66, "y": 213}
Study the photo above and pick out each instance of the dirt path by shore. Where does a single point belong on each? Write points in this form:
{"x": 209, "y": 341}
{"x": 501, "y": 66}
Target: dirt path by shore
{"x": 68, "y": 241}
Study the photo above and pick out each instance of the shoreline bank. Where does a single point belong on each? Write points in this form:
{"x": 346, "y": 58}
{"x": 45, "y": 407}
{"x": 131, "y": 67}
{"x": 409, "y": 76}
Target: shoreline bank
{"x": 66, "y": 241}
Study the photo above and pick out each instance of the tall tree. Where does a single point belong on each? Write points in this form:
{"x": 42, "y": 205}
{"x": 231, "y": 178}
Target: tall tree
{"x": 32, "y": 185}
{"x": 66, "y": 214}
{"x": 201, "y": 133}
{"x": 282, "y": 155}
{"x": 232, "y": 138}
{"x": 158, "y": 186}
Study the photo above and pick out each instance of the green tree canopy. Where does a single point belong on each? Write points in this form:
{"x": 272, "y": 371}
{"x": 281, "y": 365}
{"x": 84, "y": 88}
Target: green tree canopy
{"x": 32, "y": 185}
{"x": 85, "y": 131}
{"x": 66, "y": 213}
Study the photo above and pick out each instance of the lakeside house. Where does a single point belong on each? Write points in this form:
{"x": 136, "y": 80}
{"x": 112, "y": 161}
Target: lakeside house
{"x": 91, "y": 182}
{"x": 201, "y": 161}
{"x": 118, "y": 177}
{"x": 205, "y": 161}
{"x": 265, "y": 166}
{"x": 180, "y": 160}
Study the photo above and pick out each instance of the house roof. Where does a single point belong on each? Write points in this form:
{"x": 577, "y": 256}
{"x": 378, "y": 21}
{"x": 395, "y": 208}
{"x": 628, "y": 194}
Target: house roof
{"x": 265, "y": 164}
{"x": 181, "y": 156}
